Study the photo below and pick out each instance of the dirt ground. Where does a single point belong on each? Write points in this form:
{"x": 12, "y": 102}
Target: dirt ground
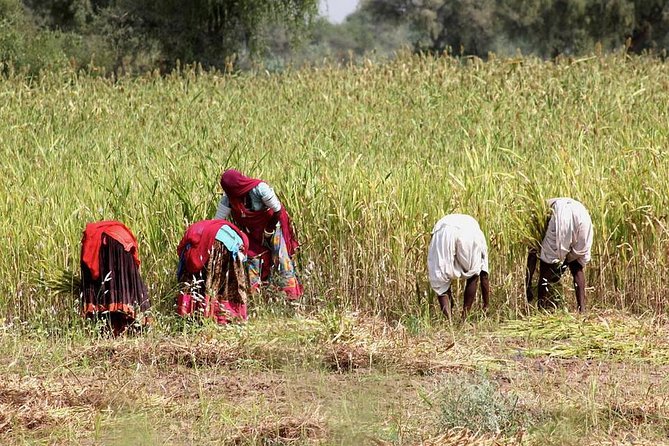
{"x": 352, "y": 380}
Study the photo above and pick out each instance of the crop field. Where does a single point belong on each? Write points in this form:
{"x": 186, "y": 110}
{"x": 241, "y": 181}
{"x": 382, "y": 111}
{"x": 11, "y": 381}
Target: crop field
{"x": 366, "y": 158}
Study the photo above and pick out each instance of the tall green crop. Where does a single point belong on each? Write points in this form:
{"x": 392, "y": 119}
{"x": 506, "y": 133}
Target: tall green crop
{"x": 365, "y": 158}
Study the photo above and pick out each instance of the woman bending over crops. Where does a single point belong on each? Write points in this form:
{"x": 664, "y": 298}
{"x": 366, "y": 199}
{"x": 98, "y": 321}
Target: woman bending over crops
{"x": 458, "y": 249}
{"x": 211, "y": 271}
{"x": 256, "y": 209}
{"x": 111, "y": 287}
{"x": 566, "y": 243}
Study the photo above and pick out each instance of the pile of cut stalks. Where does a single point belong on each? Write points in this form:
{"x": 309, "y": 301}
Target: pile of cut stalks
{"x": 611, "y": 336}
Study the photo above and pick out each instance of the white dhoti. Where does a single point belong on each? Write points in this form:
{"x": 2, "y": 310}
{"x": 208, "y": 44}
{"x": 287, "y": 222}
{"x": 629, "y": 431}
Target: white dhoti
{"x": 569, "y": 234}
{"x": 458, "y": 249}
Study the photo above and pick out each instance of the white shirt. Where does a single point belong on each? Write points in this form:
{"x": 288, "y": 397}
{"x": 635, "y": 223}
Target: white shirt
{"x": 569, "y": 233}
{"x": 458, "y": 249}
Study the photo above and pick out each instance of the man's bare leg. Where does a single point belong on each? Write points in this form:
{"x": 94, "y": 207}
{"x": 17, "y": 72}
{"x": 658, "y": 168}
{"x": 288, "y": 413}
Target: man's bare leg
{"x": 548, "y": 275}
{"x": 446, "y": 303}
{"x": 529, "y": 273}
{"x": 485, "y": 289}
{"x": 578, "y": 274}
{"x": 470, "y": 295}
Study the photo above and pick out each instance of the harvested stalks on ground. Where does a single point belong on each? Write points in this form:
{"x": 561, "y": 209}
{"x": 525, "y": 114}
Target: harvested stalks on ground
{"x": 287, "y": 430}
{"x": 562, "y": 335}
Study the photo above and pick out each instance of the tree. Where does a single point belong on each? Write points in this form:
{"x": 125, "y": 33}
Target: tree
{"x": 651, "y": 25}
{"x": 210, "y": 31}
{"x": 195, "y": 31}
{"x": 542, "y": 27}
{"x": 24, "y": 45}
{"x": 461, "y": 26}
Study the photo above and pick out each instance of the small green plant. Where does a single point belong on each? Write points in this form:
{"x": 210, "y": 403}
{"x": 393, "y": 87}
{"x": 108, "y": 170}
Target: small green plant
{"x": 478, "y": 405}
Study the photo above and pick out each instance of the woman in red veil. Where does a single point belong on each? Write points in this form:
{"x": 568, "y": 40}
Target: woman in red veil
{"x": 257, "y": 211}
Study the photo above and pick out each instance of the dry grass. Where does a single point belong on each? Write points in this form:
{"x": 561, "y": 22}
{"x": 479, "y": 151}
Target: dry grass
{"x": 464, "y": 437}
{"x": 162, "y": 354}
{"x": 608, "y": 335}
{"x": 360, "y": 342}
{"x": 365, "y": 343}
{"x": 34, "y": 403}
{"x": 402, "y": 356}
{"x": 357, "y": 381}
{"x": 284, "y": 431}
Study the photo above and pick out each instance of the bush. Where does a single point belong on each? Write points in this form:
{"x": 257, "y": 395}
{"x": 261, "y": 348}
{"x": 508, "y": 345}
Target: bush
{"x": 23, "y": 45}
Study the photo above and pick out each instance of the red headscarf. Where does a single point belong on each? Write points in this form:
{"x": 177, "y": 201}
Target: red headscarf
{"x": 199, "y": 238}
{"x": 92, "y": 241}
{"x": 236, "y": 185}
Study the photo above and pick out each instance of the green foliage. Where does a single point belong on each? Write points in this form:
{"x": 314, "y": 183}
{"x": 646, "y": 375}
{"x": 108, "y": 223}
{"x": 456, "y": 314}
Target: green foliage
{"x": 359, "y": 36}
{"x": 542, "y": 27}
{"x": 478, "y": 404}
{"x": 25, "y": 47}
{"x": 130, "y": 36}
{"x": 9, "y": 9}
{"x": 124, "y": 35}
{"x": 211, "y": 32}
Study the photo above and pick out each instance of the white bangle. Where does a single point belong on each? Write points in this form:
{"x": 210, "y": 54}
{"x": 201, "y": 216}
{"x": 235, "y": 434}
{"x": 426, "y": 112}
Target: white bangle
{"x": 268, "y": 234}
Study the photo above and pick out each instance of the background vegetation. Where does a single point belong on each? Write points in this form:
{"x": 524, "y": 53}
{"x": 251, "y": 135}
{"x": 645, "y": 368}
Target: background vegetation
{"x": 117, "y": 37}
{"x": 540, "y": 27}
{"x": 121, "y": 36}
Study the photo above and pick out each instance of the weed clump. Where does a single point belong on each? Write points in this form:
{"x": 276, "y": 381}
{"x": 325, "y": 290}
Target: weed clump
{"x": 479, "y": 406}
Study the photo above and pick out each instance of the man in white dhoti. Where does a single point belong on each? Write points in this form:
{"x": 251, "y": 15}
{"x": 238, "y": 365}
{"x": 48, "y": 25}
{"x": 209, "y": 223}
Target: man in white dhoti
{"x": 566, "y": 244}
{"x": 458, "y": 249}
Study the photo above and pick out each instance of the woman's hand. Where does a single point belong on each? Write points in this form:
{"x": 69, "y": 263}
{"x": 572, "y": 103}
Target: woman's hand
{"x": 267, "y": 237}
